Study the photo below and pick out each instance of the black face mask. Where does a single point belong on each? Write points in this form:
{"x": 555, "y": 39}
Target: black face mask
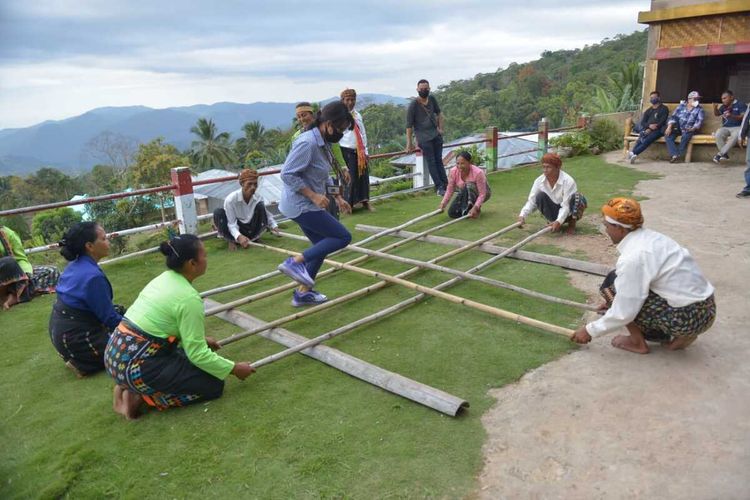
{"x": 334, "y": 137}
{"x": 423, "y": 93}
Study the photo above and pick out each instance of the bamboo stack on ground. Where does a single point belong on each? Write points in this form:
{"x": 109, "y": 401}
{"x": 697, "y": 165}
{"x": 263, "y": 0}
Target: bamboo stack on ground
{"x": 327, "y": 272}
{"x": 383, "y": 232}
{"x": 361, "y": 292}
{"x": 369, "y": 319}
{"x": 495, "y": 311}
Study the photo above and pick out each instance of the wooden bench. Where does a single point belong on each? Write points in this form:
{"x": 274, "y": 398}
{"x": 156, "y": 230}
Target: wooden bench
{"x": 711, "y": 124}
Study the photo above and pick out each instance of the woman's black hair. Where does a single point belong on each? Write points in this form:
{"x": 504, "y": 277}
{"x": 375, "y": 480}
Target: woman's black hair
{"x": 465, "y": 155}
{"x": 73, "y": 243}
{"x": 336, "y": 112}
{"x": 180, "y": 249}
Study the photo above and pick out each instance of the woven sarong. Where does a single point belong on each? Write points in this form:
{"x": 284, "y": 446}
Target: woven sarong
{"x": 659, "y": 321}
{"x": 157, "y": 369}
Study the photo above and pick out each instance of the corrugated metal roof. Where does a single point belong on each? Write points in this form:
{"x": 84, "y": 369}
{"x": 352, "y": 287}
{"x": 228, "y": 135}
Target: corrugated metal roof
{"x": 269, "y": 186}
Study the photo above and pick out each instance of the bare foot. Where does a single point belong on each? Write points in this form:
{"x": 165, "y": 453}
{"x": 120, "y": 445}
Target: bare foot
{"x": 74, "y": 369}
{"x": 678, "y": 343}
{"x": 366, "y": 205}
{"x": 232, "y": 246}
{"x": 10, "y": 301}
{"x": 627, "y": 343}
{"x": 571, "y": 227}
{"x": 126, "y": 403}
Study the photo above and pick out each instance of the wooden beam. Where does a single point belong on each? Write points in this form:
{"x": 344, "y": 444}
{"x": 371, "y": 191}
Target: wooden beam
{"x": 698, "y": 10}
{"x": 553, "y": 260}
{"x": 387, "y": 380}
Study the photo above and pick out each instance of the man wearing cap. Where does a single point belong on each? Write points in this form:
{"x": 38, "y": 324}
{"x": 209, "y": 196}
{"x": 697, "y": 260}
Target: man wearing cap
{"x": 686, "y": 120}
{"x": 354, "y": 149}
{"x": 731, "y": 111}
{"x": 555, "y": 194}
{"x": 244, "y": 216}
{"x": 656, "y": 291}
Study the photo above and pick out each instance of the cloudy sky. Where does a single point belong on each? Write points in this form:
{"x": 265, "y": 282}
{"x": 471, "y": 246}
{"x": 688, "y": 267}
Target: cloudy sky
{"x": 60, "y": 58}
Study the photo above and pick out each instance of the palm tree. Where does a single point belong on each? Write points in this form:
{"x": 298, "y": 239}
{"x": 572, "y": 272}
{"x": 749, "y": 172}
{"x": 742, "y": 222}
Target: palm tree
{"x": 255, "y": 139}
{"x": 212, "y": 149}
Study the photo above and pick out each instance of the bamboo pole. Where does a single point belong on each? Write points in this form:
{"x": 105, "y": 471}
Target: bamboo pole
{"x": 327, "y": 272}
{"x": 495, "y": 311}
{"x": 379, "y": 234}
{"x": 372, "y": 317}
{"x": 357, "y": 293}
{"x": 384, "y": 379}
{"x": 553, "y": 260}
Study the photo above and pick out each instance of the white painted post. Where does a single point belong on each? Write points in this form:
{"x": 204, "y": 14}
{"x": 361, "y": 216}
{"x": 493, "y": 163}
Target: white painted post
{"x": 184, "y": 201}
{"x": 421, "y": 172}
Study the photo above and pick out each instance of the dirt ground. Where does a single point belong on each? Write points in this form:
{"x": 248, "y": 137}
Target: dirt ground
{"x": 605, "y": 423}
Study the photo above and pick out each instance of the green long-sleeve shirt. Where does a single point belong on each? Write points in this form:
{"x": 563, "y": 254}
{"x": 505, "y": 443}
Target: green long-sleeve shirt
{"x": 170, "y": 306}
{"x": 16, "y": 249}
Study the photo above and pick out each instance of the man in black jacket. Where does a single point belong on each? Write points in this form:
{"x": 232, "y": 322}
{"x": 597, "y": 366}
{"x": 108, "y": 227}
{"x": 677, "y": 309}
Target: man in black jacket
{"x": 651, "y": 126}
{"x": 745, "y": 193}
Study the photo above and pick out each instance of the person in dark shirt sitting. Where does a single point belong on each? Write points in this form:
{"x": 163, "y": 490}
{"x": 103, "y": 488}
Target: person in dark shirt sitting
{"x": 731, "y": 111}
{"x": 651, "y": 126}
{"x": 84, "y": 316}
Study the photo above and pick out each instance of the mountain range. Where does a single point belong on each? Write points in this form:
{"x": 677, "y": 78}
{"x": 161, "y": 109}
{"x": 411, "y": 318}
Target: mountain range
{"x": 62, "y": 144}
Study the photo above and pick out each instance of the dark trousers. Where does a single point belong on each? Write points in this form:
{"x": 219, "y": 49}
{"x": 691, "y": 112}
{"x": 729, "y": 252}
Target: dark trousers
{"x": 645, "y": 140}
{"x": 327, "y": 235}
{"x": 550, "y": 210}
{"x": 79, "y": 337}
{"x": 675, "y": 150}
{"x": 359, "y": 189}
{"x": 253, "y": 229}
{"x": 432, "y": 151}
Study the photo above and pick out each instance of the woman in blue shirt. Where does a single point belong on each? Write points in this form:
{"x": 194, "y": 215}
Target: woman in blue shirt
{"x": 84, "y": 314}
{"x": 307, "y": 181}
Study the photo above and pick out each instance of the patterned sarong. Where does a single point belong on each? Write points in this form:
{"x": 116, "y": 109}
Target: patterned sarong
{"x": 550, "y": 209}
{"x": 659, "y": 321}
{"x": 45, "y": 279}
{"x": 79, "y": 337}
{"x": 157, "y": 369}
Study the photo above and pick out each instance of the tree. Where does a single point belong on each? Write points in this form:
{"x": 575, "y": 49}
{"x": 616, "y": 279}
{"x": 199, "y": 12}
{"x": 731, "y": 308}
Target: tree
{"x": 212, "y": 149}
{"x": 113, "y": 149}
{"x": 153, "y": 163}
{"x": 50, "y": 225}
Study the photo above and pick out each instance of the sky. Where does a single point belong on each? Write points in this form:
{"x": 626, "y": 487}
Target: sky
{"x": 61, "y": 58}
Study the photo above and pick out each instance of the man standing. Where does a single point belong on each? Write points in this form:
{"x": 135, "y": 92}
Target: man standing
{"x": 731, "y": 111}
{"x": 423, "y": 118}
{"x": 651, "y": 126}
{"x": 686, "y": 120}
{"x": 656, "y": 291}
{"x": 354, "y": 149}
{"x": 745, "y": 193}
{"x": 555, "y": 195}
{"x": 244, "y": 216}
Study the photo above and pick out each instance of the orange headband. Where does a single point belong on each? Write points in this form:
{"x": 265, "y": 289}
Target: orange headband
{"x": 625, "y": 211}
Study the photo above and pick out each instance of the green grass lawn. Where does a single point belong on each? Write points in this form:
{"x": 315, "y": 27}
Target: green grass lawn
{"x": 298, "y": 428}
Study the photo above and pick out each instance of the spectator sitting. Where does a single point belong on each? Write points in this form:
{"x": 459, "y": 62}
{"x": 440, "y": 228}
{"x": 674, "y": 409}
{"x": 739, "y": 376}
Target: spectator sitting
{"x": 686, "y": 120}
{"x": 19, "y": 280}
{"x": 731, "y": 111}
{"x": 244, "y": 216}
{"x": 651, "y": 126}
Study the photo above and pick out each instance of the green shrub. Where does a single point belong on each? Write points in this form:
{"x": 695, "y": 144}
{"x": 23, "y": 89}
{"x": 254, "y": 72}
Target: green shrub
{"x": 605, "y": 135}
{"x": 477, "y": 157}
{"x": 578, "y": 141}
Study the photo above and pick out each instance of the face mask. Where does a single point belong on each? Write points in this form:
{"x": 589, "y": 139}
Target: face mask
{"x": 655, "y": 100}
{"x": 696, "y": 102}
{"x": 334, "y": 137}
{"x": 423, "y": 93}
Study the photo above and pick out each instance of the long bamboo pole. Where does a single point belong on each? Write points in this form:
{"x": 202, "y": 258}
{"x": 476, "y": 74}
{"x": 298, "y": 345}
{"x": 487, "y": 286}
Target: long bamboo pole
{"x": 358, "y": 293}
{"x": 384, "y": 379}
{"x": 495, "y": 311}
{"x": 368, "y": 319}
{"x": 327, "y": 272}
{"x": 379, "y": 234}
{"x": 553, "y": 260}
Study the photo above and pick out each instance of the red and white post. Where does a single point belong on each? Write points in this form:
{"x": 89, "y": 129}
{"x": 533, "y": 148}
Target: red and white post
{"x": 184, "y": 200}
{"x": 421, "y": 172}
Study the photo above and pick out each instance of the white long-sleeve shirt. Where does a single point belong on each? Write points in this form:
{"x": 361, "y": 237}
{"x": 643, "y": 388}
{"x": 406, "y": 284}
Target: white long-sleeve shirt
{"x": 564, "y": 188}
{"x": 239, "y": 211}
{"x": 350, "y": 138}
{"x": 651, "y": 261}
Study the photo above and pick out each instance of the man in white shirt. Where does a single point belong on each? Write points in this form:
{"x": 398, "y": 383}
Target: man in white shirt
{"x": 656, "y": 291}
{"x": 244, "y": 216}
{"x": 354, "y": 149}
{"x": 555, "y": 195}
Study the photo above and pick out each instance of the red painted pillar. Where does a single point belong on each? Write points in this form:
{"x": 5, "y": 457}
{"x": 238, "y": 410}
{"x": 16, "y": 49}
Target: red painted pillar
{"x": 184, "y": 201}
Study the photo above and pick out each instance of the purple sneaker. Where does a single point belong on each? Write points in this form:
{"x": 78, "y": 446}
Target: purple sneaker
{"x": 296, "y": 271}
{"x": 310, "y": 298}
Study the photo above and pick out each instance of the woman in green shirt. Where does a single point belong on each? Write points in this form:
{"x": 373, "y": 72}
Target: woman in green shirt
{"x": 19, "y": 280}
{"x": 160, "y": 354}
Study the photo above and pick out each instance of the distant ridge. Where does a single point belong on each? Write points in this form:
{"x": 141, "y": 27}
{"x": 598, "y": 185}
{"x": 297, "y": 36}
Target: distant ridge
{"x": 62, "y": 143}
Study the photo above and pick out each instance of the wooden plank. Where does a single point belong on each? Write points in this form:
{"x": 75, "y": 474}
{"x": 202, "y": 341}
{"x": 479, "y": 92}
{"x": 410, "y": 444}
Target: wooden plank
{"x": 553, "y": 260}
{"x": 387, "y": 380}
